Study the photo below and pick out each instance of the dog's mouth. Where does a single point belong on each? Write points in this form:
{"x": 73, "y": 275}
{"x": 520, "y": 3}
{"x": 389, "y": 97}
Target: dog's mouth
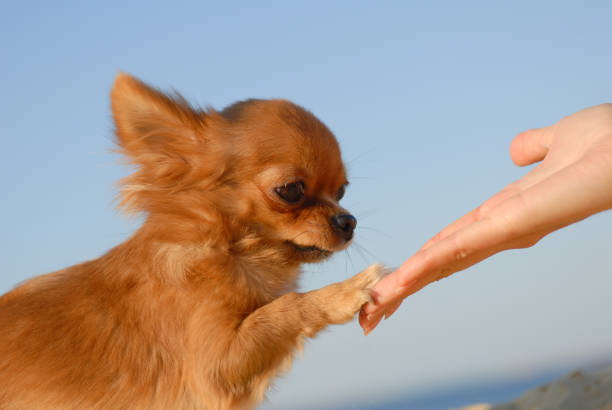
{"x": 310, "y": 253}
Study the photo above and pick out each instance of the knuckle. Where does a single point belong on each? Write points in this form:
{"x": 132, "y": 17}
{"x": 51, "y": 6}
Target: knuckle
{"x": 460, "y": 251}
{"x": 480, "y": 212}
{"x": 427, "y": 259}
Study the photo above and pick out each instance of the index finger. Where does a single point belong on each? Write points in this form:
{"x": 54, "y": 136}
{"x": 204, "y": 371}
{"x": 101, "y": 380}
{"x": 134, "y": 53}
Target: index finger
{"x": 451, "y": 254}
{"x": 478, "y": 213}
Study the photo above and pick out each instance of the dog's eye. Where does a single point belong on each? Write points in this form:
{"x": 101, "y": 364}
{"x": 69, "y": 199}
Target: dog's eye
{"x": 291, "y": 193}
{"x": 340, "y": 193}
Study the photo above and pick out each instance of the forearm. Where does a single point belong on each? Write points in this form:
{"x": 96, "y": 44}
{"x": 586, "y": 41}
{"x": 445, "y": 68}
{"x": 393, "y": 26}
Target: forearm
{"x": 267, "y": 338}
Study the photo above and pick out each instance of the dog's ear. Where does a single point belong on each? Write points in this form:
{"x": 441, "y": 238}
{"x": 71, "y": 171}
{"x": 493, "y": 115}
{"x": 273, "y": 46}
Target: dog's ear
{"x": 165, "y": 138}
{"x": 150, "y": 122}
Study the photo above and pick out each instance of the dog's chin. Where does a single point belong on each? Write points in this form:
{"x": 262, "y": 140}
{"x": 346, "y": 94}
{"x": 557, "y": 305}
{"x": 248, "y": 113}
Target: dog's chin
{"x": 309, "y": 253}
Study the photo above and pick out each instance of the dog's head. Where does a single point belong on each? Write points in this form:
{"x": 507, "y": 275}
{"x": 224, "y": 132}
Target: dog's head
{"x": 260, "y": 171}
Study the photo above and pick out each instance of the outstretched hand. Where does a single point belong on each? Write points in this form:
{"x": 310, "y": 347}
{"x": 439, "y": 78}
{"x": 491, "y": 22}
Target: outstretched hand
{"x": 572, "y": 182}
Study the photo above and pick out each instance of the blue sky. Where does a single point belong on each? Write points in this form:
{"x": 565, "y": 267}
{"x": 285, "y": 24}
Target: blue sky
{"x": 424, "y": 98}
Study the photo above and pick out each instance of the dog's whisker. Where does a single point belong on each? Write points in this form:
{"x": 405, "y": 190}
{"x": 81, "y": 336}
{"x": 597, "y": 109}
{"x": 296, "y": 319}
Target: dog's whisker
{"x": 361, "y": 253}
{"x": 358, "y": 157}
{"x": 350, "y": 260}
{"x": 361, "y": 249}
{"x": 367, "y": 213}
{"x": 378, "y": 231}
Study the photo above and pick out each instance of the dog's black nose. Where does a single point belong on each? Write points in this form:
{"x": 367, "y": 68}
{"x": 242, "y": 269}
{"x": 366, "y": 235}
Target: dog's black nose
{"x": 344, "y": 224}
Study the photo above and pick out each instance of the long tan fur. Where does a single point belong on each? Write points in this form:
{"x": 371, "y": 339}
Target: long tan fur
{"x": 198, "y": 309}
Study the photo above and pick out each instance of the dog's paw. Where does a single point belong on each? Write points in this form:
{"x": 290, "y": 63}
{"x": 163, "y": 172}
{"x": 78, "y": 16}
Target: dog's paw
{"x": 341, "y": 301}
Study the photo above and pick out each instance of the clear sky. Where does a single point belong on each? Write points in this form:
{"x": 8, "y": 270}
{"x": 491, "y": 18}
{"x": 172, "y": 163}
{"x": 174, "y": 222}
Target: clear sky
{"x": 424, "y": 98}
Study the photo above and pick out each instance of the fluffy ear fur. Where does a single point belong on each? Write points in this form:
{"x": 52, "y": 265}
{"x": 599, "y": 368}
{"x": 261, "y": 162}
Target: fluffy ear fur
{"x": 158, "y": 133}
{"x": 150, "y": 122}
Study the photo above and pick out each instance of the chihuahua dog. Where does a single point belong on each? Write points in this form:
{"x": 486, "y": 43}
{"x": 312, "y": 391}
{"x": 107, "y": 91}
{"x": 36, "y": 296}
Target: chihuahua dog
{"x": 198, "y": 309}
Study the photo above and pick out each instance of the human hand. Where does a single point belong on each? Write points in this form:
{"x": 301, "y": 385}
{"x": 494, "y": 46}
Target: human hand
{"x": 573, "y": 181}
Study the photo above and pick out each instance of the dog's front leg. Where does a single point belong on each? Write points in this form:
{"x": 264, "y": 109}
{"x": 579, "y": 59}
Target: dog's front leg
{"x": 271, "y": 333}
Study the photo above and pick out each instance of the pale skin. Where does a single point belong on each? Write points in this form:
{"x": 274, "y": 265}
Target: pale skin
{"x": 572, "y": 182}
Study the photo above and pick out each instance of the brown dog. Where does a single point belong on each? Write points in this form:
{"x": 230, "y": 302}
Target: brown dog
{"x": 196, "y": 310}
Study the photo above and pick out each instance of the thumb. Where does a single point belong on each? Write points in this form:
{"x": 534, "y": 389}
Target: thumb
{"x": 531, "y": 146}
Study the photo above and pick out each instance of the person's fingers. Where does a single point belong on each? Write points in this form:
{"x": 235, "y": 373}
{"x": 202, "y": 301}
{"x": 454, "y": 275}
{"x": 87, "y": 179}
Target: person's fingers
{"x": 531, "y": 146}
{"x": 465, "y": 247}
{"x": 369, "y": 322}
{"x": 476, "y": 214}
{"x": 460, "y": 223}
{"x": 456, "y": 252}
{"x": 527, "y": 147}
{"x": 391, "y": 310}
{"x": 362, "y": 318}
{"x": 407, "y": 279}
{"x": 383, "y": 292}
{"x": 369, "y": 325}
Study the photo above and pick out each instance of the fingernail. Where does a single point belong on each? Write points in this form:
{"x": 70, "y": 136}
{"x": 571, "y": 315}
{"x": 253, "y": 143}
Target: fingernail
{"x": 400, "y": 290}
